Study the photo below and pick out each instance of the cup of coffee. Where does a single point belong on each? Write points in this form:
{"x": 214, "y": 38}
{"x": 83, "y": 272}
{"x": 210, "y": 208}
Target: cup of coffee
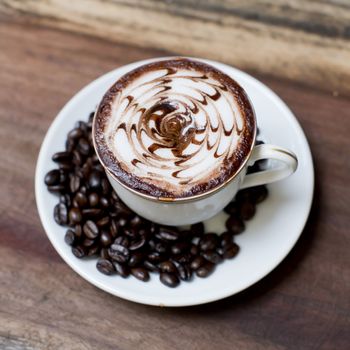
{"x": 175, "y": 138}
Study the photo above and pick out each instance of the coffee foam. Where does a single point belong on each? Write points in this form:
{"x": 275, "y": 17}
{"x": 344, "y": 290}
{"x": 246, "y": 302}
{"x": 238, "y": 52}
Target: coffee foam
{"x": 174, "y": 128}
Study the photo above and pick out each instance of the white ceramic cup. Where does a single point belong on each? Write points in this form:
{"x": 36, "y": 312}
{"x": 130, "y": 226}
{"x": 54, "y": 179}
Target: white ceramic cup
{"x": 189, "y": 210}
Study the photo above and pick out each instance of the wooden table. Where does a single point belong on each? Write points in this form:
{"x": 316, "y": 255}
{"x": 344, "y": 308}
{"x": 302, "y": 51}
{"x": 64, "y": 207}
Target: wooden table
{"x": 49, "y": 50}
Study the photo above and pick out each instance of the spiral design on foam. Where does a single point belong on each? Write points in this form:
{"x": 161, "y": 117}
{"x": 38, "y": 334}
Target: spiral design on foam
{"x": 175, "y": 129}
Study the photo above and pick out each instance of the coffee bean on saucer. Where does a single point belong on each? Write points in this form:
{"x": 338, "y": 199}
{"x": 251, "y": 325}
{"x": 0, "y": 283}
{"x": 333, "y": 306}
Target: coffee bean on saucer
{"x": 231, "y": 251}
{"x": 79, "y": 251}
{"x": 80, "y": 200}
{"x": 208, "y": 242}
{"x": 169, "y": 279}
{"x": 90, "y": 229}
{"x": 78, "y": 231}
{"x": 246, "y": 210}
{"x": 75, "y": 134}
{"x": 184, "y": 272}
{"x": 168, "y": 234}
{"x": 60, "y": 188}
{"x": 104, "y": 253}
{"x": 161, "y": 247}
{"x": 168, "y": 266}
{"x": 105, "y": 266}
{"x": 197, "y": 229}
{"x": 52, "y": 177}
{"x": 103, "y": 221}
{"x": 259, "y": 193}
{"x": 235, "y": 225}
{"x": 61, "y": 214}
{"x": 194, "y": 250}
{"x": 231, "y": 208}
{"x": 205, "y": 270}
{"x": 140, "y": 273}
{"x": 150, "y": 266}
{"x": 87, "y": 242}
{"x": 180, "y": 248}
{"x": 119, "y": 253}
{"x": 74, "y": 183}
{"x": 212, "y": 256}
{"x": 62, "y": 157}
{"x": 122, "y": 240}
{"x": 105, "y": 238}
{"x": 138, "y": 244}
{"x": 197, "y": 262}
{"x": 92, "y": 213}
{"x": 122, "y": 270}
{"x": 94, "y": 199}
{"x": 226, "y": 239}
{"x": 69, "y": 237}
{"x": 94, "y": 180}
{"x": 136, "y": 258}
{"x": 75, "y": 216}
{"x": 83, "y": 146}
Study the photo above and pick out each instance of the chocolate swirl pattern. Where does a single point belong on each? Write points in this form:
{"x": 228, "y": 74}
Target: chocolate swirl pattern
{"x": 174, "y": 128}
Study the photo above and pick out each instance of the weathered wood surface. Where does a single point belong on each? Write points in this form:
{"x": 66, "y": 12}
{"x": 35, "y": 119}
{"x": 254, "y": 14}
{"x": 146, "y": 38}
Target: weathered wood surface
{"x": 304, "y": 41}
{"x": 303, "y": 304}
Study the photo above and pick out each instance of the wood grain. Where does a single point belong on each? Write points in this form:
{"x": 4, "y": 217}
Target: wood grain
{"x": 303, "y": 304}
{"x": 304, "y": 41}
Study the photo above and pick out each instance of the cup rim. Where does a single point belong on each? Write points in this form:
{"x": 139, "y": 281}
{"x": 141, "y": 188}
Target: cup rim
{"x": 173, "y": 200}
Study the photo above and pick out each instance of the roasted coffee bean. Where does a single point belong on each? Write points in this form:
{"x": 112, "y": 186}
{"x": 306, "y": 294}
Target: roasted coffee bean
{"x": 78, "y": 172}
{"x": 103, "y": 221}
{"x": 135, "y": 245}
{"x": 61, "y": 214}
{"x": 78, "y": 231}
{"x": 80, "y": 200}
{"x": 92, "y": 213}
{"x": 60, "y": 188}
{"x": 131, "y": 232}
{"x": 62, "y": 157}
{"x": 69, "y": 237}
{"x": 91, "y": 117}
{"x": 75, "y": 216}
{"x": 226, "y": 239}
{"x": 83, "y": 146}
{"x": 259, "y": 193}
{"x": 70, "y": 144}
{"x": 231, "y": 251}
{"x": 197, "y": 262}
{"x": 86, "y": 169}
{"x": 87, "y": 242}
{"x": 212, "y": 256}
{"x": 121, "y": 222}
{"x": 169, "y": 279}
{"x": 184, "y": 272}
{"x": 220, "y": 251}
{"x": 105, "y": 266}
{"x": 77, "y": 159}
{"x": 119, "y": 253}
{"x": 105, "y": 238}
{"x": 231, "y": 208}
{"x": 154, "y": 228}
{"x": 75, "y": 134}
{"x": 183, "y": 258}
{"x": 104, "y": 253}
{"x": 94, "y": 159}
{"x": 113, "y": 229}
{"x": 168, "y": 234}
{"x": 155, "y": 257}
{"x": 194, "y": 250}
{"x": 140, "y": 273}
{"x": 79, "y": 251}
{"x": 205, "y": 270}
{"x": 246, "y": 210}
{"x": 65, "y": 199}
{"x": 94, "y": 180}
{"x": 67, "y": 166}
{"x": 90, "y": 229}
{"x": 197, "y": 229}
{"x": 122, "y": 209}
{"x": 122, "y": 270}
{"x": 52, "y": 177}
{"x": 106, "y": 187}
{"x": 235, "y": 224}
{"x": 180, "y": 248}
{"x": 161, "y": 247}
{"x": 150, "y": 266}
{"x": 208, "y": 242}
{"x": 83, "y": 190}
{"x": 136, "y": 259}
{"x": 94, "y": 250}
{"x": 168, "y": 266}
{"x": 115, "y": 196}
{"x": 82, "y": 126}
{"x": 64, "y": 176}
{"x": 94, "y": 199}
{"x": 135, "y": 221}
{"x": 104, "y": 202}
{"x": 122, "y": 240}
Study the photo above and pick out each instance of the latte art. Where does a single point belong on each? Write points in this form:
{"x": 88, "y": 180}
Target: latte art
{"x": 174, "y": 128}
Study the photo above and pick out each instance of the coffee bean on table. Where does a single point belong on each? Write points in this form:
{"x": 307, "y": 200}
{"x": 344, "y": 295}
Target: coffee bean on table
{"x": 169, "y": 279}
{"x": 140, "y": 273}
{"x": 52, "y": 177}
{"x": 90, "y": 229}
{"x": 105, "y": 266}
{"x": 235, "y": 225}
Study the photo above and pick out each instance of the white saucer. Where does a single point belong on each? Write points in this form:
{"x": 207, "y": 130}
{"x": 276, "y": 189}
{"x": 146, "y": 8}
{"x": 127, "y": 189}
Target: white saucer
{"x": 268, "y": 237}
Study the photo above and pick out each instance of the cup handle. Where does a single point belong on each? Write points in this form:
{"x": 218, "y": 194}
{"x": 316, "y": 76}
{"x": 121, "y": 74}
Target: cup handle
{"x": 287, "y": 158}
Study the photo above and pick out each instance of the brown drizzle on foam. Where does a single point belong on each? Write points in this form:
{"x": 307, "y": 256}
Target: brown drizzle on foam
{"x": 171, "y": 124}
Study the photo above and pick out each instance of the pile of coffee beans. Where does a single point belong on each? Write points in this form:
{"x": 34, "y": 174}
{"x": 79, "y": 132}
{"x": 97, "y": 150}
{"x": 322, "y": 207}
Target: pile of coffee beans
{"x": 99, "y": 224}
